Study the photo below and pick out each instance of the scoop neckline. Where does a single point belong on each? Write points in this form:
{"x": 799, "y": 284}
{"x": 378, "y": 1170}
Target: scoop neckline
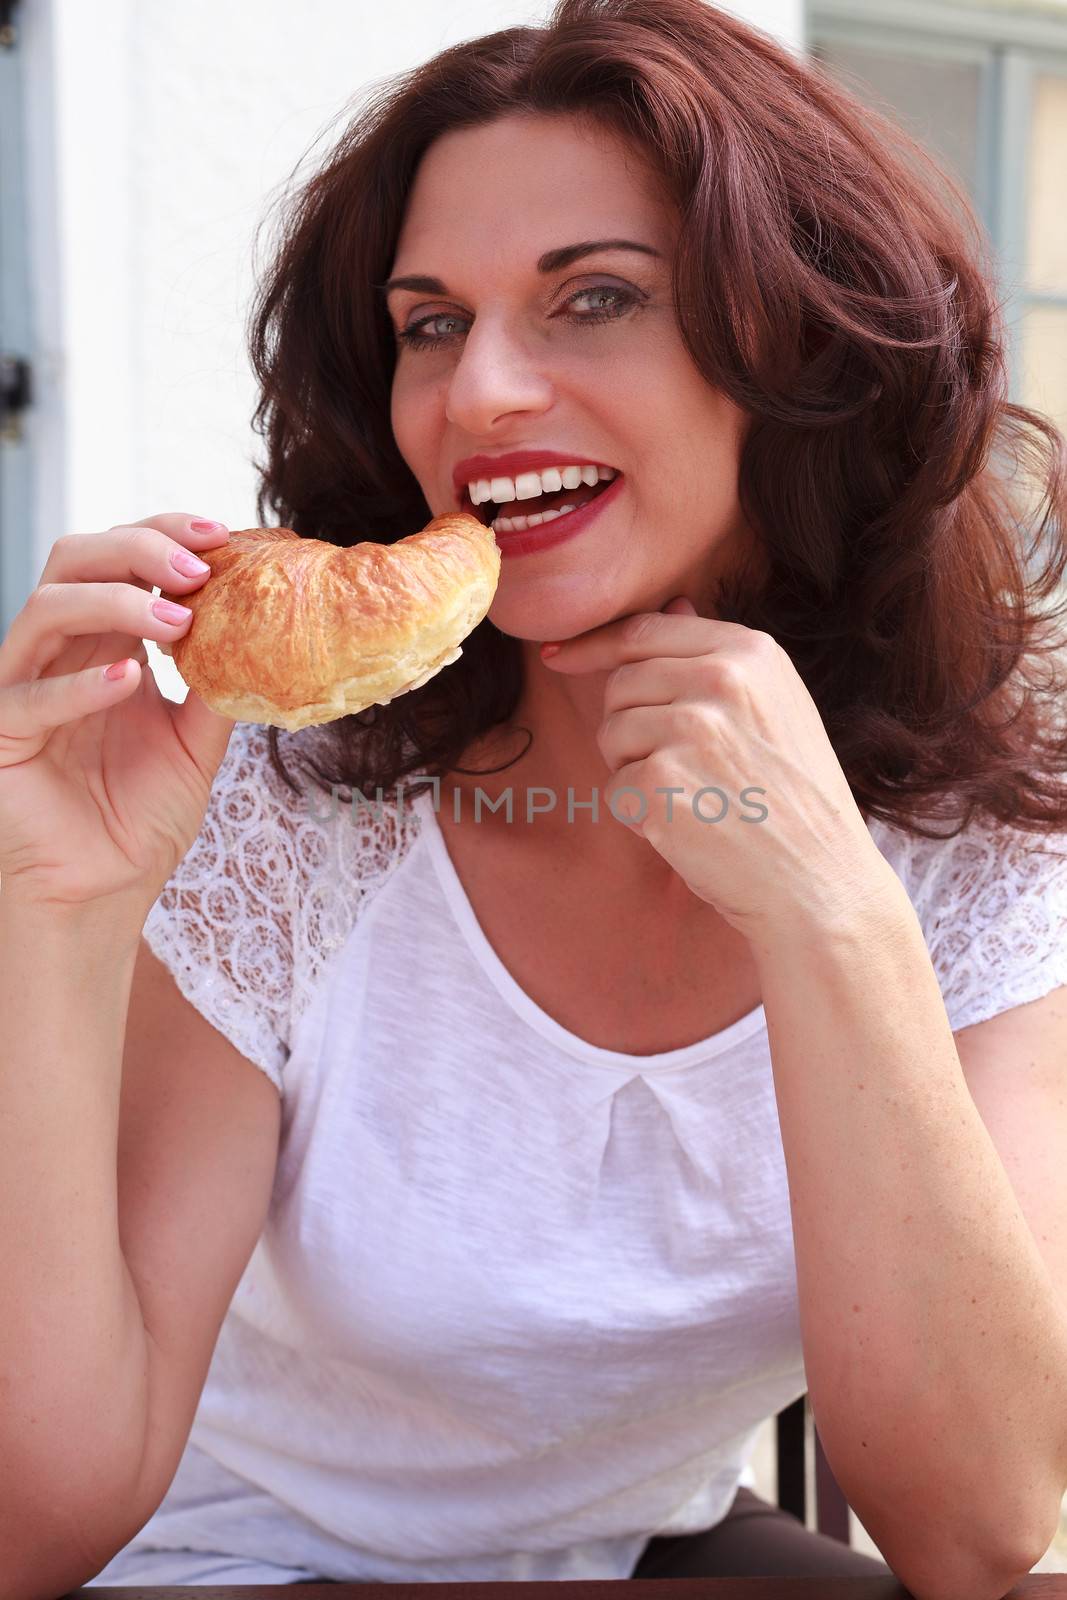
{"x": 528, "y": 1009}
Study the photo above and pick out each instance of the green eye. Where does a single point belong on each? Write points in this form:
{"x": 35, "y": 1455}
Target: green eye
{"x": 625, "y": 299}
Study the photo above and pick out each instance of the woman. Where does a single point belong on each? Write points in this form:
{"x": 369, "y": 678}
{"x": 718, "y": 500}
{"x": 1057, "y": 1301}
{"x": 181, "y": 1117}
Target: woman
{"x": 577, "y": 1181}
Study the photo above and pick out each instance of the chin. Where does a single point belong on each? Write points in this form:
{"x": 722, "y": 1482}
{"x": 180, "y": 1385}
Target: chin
{"x": 535, "y": 613}
{"x": 540, "y": 622}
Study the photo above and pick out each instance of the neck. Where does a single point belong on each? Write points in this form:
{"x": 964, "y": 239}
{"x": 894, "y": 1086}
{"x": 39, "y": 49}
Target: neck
{"x": 563, "y": 762}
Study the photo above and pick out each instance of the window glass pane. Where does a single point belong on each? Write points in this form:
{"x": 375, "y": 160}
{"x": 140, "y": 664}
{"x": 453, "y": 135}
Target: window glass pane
{"x": 936, "y": 101}
{"x": 1046, "y": 254}
{"x": 1043, "y": 353}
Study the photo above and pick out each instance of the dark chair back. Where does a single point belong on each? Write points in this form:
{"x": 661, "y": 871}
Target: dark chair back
{"x": 831, "y": 1508}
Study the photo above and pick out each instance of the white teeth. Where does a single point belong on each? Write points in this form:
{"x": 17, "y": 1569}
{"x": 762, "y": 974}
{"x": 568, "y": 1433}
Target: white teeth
{"x": 528, "y": 485}
{"x": 517, "y": 524}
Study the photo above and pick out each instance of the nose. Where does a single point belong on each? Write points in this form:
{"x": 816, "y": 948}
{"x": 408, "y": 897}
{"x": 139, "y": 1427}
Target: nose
{"x": 496, "y": 374}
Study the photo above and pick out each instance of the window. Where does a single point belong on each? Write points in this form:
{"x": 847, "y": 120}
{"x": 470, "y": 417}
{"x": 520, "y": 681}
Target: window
{"x": 984, "y": 88}
{"x": 1044, "y": 323}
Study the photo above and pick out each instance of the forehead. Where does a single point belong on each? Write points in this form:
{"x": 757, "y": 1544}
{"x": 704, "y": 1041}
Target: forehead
{"x": 511, "y": 189}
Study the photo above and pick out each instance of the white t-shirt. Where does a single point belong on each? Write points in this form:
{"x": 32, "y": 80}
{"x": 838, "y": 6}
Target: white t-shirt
{"x": 520, "y": 1303}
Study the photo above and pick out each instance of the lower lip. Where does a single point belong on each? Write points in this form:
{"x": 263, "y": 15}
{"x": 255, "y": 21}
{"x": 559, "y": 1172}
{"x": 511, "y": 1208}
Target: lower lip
{"x": 529, "y": 540}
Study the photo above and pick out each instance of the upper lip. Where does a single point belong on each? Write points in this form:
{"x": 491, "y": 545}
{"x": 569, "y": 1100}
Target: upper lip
{"x": 508, "y": 466}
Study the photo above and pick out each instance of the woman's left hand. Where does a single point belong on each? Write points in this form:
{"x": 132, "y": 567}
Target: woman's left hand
{"x": 696, "y": 704}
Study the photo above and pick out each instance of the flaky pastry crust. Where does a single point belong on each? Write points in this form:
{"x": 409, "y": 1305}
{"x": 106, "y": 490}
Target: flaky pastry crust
{"x": 295, "y": 631}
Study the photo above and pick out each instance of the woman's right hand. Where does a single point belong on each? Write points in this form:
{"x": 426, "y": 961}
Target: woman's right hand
{"x": 103, "y": 784}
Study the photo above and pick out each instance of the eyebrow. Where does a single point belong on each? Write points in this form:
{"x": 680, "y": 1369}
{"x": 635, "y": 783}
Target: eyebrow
{"x": 551, "y": 261}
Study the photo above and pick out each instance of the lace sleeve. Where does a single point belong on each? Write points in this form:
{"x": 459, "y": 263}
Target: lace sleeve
{"x": 993, "y": 906}
{"x": 222, "y": 924}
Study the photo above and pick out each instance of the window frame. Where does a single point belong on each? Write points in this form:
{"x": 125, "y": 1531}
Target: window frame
{"x": 16, "y": 330}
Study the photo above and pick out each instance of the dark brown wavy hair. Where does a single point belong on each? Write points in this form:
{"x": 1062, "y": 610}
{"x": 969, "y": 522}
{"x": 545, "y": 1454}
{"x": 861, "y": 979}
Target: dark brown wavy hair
{"x": 909, "y": 519}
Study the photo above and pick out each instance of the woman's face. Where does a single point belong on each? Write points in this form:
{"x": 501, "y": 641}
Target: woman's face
{"x": 522, "y": 365}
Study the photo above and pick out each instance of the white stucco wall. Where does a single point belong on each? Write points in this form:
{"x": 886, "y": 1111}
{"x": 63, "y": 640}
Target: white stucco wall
{"x": 159, "y": 131}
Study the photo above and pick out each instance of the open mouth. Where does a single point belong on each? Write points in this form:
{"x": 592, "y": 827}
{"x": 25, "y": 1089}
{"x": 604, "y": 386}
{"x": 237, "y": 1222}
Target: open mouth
{"x": 554, "y": 500}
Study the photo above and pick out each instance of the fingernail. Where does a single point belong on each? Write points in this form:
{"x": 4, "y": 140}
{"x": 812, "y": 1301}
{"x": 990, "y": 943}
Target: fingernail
{"x": 188, "y": 565}
{"x": 201, "y": 525}
{"x": 550, "y": 650}
{"x": 167, "y": 611}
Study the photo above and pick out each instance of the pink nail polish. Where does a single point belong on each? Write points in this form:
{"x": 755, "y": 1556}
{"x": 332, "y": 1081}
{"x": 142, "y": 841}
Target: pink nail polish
{"x": 167, "y": 611}
{"x": 188, "y": 565}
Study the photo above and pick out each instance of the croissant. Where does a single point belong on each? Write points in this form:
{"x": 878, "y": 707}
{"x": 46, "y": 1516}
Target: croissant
{"x": 295, "y": 631}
